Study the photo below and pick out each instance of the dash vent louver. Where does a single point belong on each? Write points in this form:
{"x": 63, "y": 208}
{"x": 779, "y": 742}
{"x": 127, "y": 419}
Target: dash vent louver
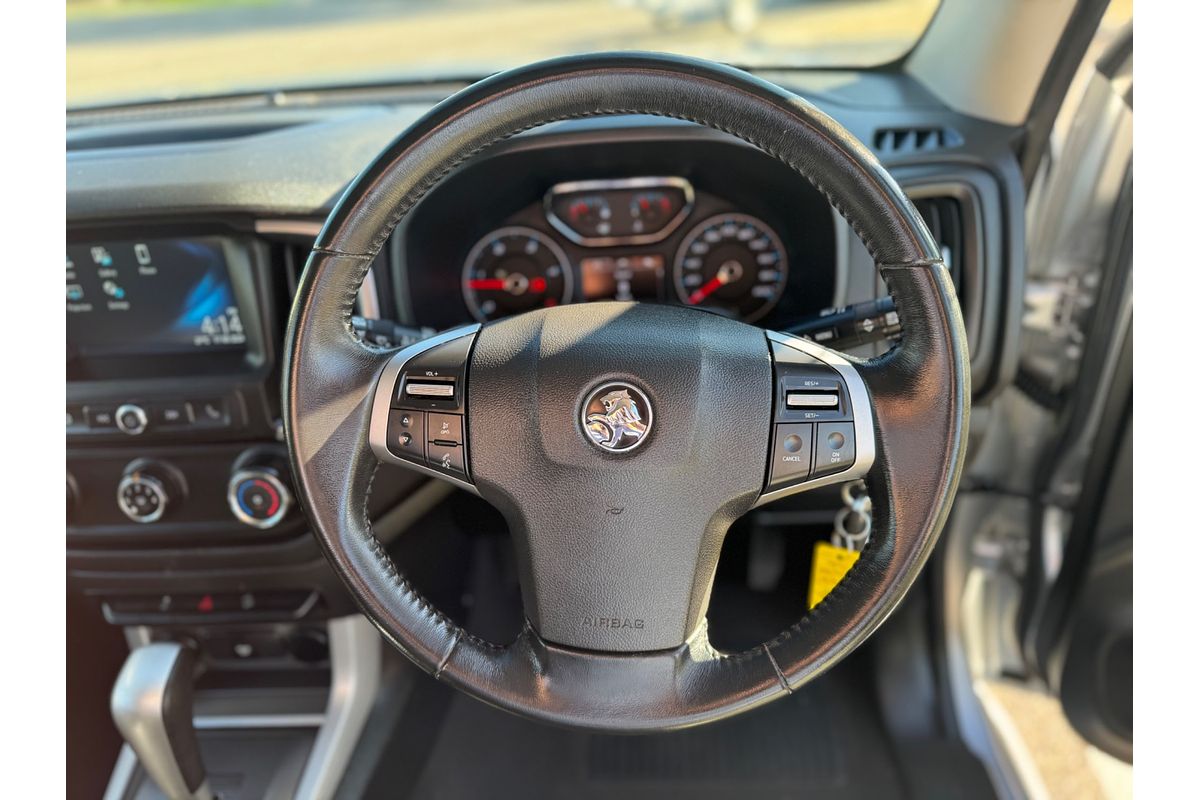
{"x": 902, "y": 141}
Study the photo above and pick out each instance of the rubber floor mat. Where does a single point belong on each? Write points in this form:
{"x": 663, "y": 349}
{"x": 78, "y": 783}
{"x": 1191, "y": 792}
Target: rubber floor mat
{"x": 823, "y": 742}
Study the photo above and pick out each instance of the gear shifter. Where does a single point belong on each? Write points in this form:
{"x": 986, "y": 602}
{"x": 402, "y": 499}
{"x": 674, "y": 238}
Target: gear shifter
{"x": 152, "y": 707}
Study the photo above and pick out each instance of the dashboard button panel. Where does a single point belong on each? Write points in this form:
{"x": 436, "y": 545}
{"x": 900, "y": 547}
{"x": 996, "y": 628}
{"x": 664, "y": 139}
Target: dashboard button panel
{"x": 146, "y": 418}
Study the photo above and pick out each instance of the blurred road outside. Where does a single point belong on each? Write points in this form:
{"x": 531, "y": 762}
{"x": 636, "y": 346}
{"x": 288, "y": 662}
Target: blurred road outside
{"x": 119, "y": 50}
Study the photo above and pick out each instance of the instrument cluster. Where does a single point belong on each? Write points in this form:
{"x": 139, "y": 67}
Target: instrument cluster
{"x": 641, "y": 238}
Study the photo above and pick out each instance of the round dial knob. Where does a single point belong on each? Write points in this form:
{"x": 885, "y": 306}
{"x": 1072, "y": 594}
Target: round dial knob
{"x": 131, "y": 419}
{"x": 146, "y": 490}
{"x": 259, "y": 497}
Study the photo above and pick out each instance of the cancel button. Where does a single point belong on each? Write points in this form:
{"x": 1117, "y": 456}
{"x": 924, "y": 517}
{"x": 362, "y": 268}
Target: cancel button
{"x": 791, "y": 453}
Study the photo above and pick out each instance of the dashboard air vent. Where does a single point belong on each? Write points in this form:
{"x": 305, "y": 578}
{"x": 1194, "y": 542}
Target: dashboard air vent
{"x": 902, "y": 141}
{"x": 944, "y": 216}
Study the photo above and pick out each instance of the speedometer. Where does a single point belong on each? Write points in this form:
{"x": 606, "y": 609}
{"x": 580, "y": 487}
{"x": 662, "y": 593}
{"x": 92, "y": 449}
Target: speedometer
{"x": 732, "y": 263}
{"x": 515, "y": 269}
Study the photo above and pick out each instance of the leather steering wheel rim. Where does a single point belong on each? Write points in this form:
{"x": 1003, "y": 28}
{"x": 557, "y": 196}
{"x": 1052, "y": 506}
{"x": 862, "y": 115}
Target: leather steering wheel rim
{"x": 919, "y": 393}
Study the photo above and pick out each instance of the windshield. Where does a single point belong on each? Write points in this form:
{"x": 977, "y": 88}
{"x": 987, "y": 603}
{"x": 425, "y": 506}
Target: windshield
{"x": 130, "y": 50}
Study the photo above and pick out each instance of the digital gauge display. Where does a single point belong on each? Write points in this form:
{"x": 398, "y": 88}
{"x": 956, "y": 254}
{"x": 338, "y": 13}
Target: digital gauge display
{"x": 155, "y": 296}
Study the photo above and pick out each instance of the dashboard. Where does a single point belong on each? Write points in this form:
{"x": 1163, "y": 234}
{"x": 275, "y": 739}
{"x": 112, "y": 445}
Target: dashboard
{"x": 729, "y": 262}
{"x": 188, "y": 231}
{"x": 697, "y": 220}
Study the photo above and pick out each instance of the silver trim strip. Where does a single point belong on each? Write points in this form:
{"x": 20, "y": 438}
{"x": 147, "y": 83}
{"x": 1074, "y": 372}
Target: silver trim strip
{"x": 613, "y": 184}
{"x": 382, "y": 404}
{"x": 860, "y": 409}
{"x": 241, "y": 721}
{"x": 355, "y": 658}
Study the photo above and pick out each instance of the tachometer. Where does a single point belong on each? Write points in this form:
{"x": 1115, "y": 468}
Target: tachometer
{"x": 733, "y": 263}
{"x": 515, "y": 269}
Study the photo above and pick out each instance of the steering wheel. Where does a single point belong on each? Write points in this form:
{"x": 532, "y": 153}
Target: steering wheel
{"x": 621, "y": 440}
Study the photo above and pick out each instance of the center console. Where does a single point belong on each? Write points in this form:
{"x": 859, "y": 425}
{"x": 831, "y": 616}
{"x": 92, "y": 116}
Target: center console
{"x": 182, "y": 525}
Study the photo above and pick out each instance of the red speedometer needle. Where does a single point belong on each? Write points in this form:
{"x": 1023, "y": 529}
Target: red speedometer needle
{"x": 485, "y": 284}
{"x": 704, "y": 291}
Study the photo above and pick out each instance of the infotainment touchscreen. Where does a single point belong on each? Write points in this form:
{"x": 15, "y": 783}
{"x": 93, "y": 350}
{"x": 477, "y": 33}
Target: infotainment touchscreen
{"x": 151, "y": 297}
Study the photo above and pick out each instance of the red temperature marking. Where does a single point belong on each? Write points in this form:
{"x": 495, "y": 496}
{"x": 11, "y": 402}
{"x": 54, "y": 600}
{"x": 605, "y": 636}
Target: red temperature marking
{"x": 270, "y": 490}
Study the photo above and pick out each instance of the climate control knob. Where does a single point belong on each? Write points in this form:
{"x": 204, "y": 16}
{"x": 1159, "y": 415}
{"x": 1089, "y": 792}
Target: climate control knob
{"x": 258, "y": 494}
{"x": 147, "y": 489}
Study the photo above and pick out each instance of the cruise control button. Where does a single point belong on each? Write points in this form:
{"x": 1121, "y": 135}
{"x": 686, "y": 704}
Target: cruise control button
{"x": 406, "y": 434}
{"x": 445, "y": 428}
{"x": 447, "y": 458}
{"x": 791, "y": 453}
{"x": 834, "y": 447}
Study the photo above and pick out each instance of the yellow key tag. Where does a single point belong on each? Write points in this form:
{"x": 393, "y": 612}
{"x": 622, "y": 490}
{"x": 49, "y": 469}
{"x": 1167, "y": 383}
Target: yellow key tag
{"x": 830, "y": 564}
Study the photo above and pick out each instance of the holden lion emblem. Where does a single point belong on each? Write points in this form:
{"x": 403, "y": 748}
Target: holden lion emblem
{"x": 617, "y": 417}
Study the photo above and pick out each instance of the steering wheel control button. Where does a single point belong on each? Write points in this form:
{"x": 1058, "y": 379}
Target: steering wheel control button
{"x": 834, "y": 448}
{"x": 414, "y": 389}
{"x": 813, "y": 400}
{"x": 433, "y": 380}
{"x": 448, "y": 458}
{"x": 445, "y": 429}
{"x": 617, "y": 417}
{"x": 258, "y": 497}
{"x": 406, "y": 434}
{"x": 132, "y": 419}
{"x": 791, "y": 459}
